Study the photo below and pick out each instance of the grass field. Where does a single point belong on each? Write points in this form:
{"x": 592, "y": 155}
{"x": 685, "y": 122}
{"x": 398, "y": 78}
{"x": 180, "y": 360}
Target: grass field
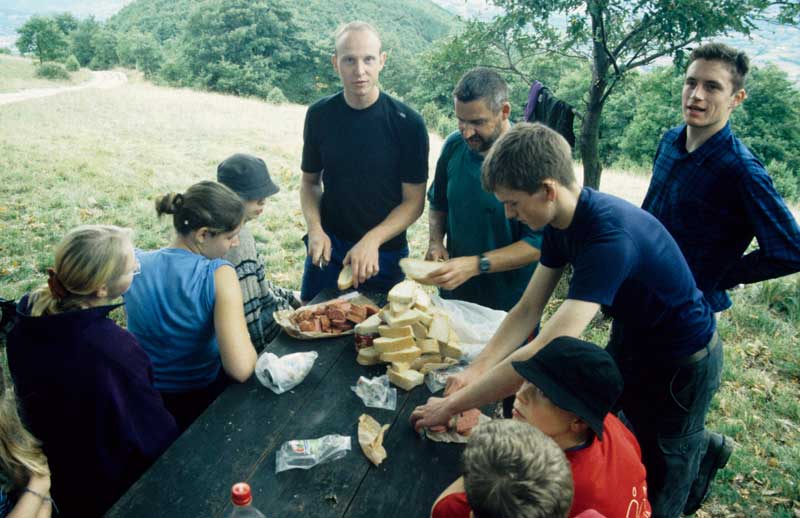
{"x": 17, "y": 73}
{"x": 99, "y": 156}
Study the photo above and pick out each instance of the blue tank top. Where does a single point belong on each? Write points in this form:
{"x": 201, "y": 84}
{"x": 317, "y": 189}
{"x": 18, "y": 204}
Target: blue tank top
{"x": 170, "y": 309}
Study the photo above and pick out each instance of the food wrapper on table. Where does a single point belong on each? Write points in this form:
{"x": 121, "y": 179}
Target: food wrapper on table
{"x": 460, "y": 427}
{"x": 327, "y": 319}
{"x": 370, "y": 437}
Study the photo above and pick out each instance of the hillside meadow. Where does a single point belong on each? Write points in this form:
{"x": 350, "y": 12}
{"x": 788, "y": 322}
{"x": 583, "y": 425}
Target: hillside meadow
{"x": 100, "y": 156}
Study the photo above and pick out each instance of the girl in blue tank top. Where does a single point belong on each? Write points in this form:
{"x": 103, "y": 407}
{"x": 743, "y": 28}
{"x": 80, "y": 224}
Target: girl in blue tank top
{"x": 186, "y": 307}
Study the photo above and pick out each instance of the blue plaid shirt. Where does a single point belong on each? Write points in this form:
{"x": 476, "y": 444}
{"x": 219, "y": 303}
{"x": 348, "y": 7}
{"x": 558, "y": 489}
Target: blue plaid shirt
{"x": 714, "y": 201}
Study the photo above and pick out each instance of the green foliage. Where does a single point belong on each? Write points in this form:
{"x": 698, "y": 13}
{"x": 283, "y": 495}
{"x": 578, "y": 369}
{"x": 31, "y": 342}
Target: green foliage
{"x": 71, "y": 64}
{"x": 275, "y": 96}
{"x": 5, "y": 50}
{"x": 141, "y": 51}
{"x": 66, "y": 23}
{"x": 55, "y": 71}
{"x": 81, "y": 40}
{"x": 783, "y": 297}
{"x": 104, "y": 43}
{"x": 787, "y": 182}
{"x": 42, "y": 37}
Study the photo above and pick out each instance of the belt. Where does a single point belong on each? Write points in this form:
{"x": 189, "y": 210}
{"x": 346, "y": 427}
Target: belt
{"x": 699, "y": 354}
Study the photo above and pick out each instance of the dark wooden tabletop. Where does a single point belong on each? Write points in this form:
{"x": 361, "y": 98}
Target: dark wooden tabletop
{"x": 237, "y": 437}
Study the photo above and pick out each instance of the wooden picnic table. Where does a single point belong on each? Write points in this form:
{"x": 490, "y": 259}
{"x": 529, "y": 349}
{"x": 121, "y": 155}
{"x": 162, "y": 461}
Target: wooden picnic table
{"x": 238, "y": 435}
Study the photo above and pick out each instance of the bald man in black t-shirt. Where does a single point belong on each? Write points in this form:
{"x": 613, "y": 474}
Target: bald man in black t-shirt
{"x": 370, "y": 153}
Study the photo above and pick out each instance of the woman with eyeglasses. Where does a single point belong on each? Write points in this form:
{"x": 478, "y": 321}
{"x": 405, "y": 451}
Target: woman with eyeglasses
{"x": 186, "y": 308}
{"x": 84, "y": 384}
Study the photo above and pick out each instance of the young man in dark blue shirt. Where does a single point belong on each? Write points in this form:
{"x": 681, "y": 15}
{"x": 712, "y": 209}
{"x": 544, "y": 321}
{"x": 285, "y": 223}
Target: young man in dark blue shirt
{"x": 714, "y": 196}
{"x": 624, "y": 259}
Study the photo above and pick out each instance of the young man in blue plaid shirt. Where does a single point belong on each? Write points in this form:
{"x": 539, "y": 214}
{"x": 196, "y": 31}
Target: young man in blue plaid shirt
{"x": 714, "y": 196}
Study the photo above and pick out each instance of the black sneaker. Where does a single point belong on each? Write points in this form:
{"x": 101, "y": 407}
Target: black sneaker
{"x": 718, "y": 452}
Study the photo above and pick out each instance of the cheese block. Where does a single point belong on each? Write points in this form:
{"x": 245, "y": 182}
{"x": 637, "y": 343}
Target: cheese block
{"x": 451, "y": 350}
{"x": 424, "y": 359}
{"x": 428, "y": 367}
{"x": 418, "y": 269}
{"x": 419, "y": 330}
{"x": 440, "y": 328}
{"x": 404, "y": 319}
{"x": 369, "y": 326}
{"x": 368, "y": 356}
{"x": 407, "y": 355}
{"x": 387, "y": 345}
{"x": 428, "y": 345}
{"x": 401, "y": 366}
{"x": 406, "y": 380}
{"x": 345, "y": 280}
{"x": 425, "y": 318}
{"x": 399, "y": 307}
{"x": 402, "y": 292}
{"x": 395, "y": 332}
{"x": 452, "y": 337}
{"x": 422, "y": 300}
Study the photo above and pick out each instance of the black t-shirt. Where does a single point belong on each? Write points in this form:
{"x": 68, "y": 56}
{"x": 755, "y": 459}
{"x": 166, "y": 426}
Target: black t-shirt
{"x": 364, "y": 156}
{"x": 625, "y": 259}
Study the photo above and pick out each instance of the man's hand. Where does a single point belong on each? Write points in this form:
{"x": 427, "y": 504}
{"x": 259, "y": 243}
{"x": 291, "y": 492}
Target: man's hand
{"x": 319, "y": 247}
{"x": 363, "y": 257}
{"x": 455, "y": 272}
{"x": 434, "y": 413}
{"x": 437, "y": 252}
{"x": 457, "y": 381}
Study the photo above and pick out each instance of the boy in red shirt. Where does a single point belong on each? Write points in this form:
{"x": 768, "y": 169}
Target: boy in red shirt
{"x": 570, "y": 388}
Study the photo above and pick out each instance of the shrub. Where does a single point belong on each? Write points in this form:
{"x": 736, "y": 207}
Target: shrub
{"x": 785, "y": 180}
{"x": 5, "y": 50}
{"x": 275, "y": 96}
{"x": 52, "y": 71}
{"x": 71, "y": 64}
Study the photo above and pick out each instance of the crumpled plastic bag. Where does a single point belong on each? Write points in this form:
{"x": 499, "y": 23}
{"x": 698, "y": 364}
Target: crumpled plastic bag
{"x": 305, "y": 454}
{"x": 376, "y": 392}
{"x": 280, "y": 374}
{"x": 370, "y": 437}
{"x": 474, "y": 324}
{"x": 437, "y": 380}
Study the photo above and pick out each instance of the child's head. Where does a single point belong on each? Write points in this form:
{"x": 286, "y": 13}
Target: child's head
{"x": 20, "y": 452}
{"x": 247, "y": 176}
{"x": 571, "y": 385}
{"x": 208, "y": 214}
{"x": 91, "y": 262}
{"x": 512, "y": 470}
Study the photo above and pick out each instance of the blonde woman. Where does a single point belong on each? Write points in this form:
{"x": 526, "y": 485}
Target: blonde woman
{"x": 84, "y": 384}
{"x": 25, "y": 491}
{"x": 186, "y": 307}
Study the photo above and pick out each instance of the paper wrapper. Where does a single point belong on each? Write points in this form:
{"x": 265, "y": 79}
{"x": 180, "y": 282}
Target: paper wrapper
{"x": 452, "y": 435}
{"x": 283, "y": 318}
{"x": 370, "y": 437}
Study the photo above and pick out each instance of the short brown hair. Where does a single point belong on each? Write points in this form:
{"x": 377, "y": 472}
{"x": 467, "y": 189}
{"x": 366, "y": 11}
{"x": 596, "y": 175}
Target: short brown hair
{"x": 736, "y": 60}
{"x": 526, "y": 155}
{"x": 511, "y": 469}
{"x": 204, "y": 204}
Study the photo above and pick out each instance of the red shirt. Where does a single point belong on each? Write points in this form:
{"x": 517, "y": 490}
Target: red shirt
{"x": 608, "y": 477}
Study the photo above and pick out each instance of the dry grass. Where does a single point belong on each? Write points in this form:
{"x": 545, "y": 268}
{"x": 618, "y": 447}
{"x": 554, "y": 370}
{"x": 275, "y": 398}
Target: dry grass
{"x": 19, "y": 73}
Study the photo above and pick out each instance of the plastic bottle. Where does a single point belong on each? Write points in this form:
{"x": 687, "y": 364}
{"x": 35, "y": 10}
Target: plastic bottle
{"x": 241, "y": 499}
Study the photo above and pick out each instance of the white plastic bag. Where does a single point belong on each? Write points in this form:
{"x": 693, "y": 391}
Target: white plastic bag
{"x": 376, "y": 392}
{"x": 305, "y": 454}
{"x": 284, "y": 373}
{"x": 437, "y": 380}
{"x": 474, "y": 324}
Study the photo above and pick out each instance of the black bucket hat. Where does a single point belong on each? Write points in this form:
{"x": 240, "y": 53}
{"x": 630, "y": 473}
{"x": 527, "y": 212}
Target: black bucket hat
{"x": 247, "y": 176}
{"x": 577, "y": 376}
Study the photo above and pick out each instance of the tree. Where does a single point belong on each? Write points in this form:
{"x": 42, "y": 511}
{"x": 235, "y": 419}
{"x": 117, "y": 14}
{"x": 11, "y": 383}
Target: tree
{"x": 615, "y": 37}
{"x": 66, "y": 23}
{"x": 42, "y": 37}
{"x": 81, "y": 40}
{"x": 104, "y": 43}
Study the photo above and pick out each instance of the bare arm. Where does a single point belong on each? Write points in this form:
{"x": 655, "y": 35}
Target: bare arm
{"x": 319, "y": 244}
{"x": 459, "y": 270}
{"x": 235, "y": 348}
{"x": 570, "y": 319}
{"x": 32, "y": 505}
{"x": 364, "y": 254}
{"x": 437, "y": 228}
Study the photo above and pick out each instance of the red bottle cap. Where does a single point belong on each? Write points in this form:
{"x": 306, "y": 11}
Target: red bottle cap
{"x": 240, "y": 494}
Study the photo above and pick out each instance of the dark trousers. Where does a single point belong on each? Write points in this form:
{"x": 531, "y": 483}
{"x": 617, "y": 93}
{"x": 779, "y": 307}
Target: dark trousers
{"x": 316, "y": 279}
{"x": 666, "y": 403}
{"x": 185, "y": 407}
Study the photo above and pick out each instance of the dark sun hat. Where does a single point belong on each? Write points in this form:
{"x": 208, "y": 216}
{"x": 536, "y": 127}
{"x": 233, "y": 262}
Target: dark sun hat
{"x": 577, "y": 376}
{"x": 247, "y": 176}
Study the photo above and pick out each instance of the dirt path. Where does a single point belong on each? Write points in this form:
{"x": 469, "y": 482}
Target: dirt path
{"x": 100, "y": 79}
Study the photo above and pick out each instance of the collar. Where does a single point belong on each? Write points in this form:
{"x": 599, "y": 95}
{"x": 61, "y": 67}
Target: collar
{"x": 709, "y": 147}
{"x": 86, "y": 315}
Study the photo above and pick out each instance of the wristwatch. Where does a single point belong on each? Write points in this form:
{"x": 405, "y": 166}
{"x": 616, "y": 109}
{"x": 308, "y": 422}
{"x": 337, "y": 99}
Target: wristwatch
{"x": 484, "y": 265}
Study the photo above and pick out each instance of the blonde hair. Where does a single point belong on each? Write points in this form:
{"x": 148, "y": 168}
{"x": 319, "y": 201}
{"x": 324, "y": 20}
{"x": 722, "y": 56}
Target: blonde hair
{"x": 354, "y": 26}
{"x": 20, "y": 452}
{"x": 87, "y": 258}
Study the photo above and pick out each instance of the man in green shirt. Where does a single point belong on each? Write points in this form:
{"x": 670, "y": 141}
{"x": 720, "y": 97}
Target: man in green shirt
{"x": 489, "y": 257}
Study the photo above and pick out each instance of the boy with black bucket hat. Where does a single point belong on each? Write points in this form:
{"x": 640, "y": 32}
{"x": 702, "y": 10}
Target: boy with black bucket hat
{"x": 570, "y": 388}
{"x": 248, "y": 177}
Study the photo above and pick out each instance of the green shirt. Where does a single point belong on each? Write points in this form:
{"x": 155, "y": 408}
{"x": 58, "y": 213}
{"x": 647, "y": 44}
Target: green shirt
{"x": 476, "y": 223}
